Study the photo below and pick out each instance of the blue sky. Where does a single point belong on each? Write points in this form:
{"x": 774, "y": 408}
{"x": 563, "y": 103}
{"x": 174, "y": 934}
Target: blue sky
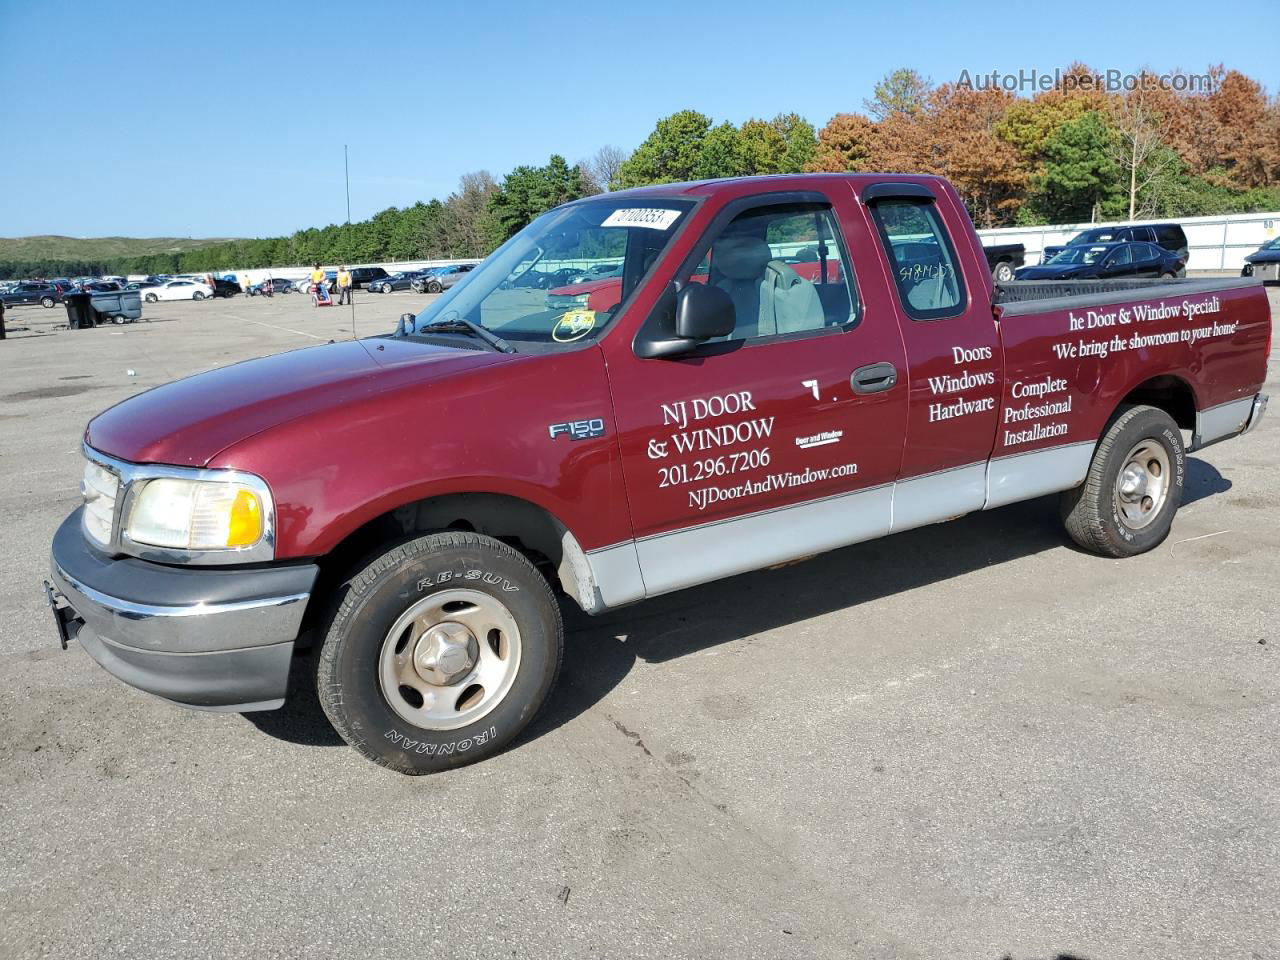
{"x": 227, "y": 119}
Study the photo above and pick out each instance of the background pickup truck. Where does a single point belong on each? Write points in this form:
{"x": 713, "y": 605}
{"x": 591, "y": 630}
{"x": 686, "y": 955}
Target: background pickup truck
{"x": 1003, "y": 259}
{"x": 411, "y": 503}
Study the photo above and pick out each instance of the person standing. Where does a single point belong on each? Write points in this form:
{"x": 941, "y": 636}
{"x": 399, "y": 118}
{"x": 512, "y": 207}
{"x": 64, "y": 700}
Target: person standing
{"x": 344, "y": 286}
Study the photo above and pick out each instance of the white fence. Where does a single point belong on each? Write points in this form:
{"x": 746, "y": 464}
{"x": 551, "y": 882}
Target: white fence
{"x": 1214, "y": 243}
{"x": 258, "y": 274}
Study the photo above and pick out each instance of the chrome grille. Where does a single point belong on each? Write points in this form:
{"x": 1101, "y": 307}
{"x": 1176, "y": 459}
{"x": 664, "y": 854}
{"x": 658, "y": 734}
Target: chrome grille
{"x": 100, "y": 489}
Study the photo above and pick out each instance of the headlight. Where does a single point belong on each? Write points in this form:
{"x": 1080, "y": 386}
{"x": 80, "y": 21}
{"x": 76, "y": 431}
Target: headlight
{"x": 183, "y": 514}
{"x": 566, "y": 302}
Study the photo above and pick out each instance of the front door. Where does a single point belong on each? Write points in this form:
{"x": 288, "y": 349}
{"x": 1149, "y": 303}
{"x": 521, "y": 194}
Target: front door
{"x": 782, "y": 439}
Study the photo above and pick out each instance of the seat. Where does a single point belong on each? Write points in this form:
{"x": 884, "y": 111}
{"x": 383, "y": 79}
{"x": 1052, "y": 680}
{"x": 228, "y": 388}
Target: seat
{"x": 768, "y": 296}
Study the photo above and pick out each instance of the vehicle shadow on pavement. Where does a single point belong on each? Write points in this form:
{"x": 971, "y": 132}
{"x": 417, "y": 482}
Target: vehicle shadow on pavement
{"x": 600, "y": 651}
{"x": 1202, "y": 480}
{"x": 300, "y": 720}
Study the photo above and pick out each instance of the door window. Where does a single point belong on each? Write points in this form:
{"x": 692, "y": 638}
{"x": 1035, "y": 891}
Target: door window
{"x": 785, "y": 269}
{"x": 924, "y": 263}
{"x": 1120, "y": 257}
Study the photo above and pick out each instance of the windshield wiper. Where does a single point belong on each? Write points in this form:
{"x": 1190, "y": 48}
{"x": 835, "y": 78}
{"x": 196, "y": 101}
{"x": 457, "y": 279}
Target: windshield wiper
{"x": 463, "y": 325}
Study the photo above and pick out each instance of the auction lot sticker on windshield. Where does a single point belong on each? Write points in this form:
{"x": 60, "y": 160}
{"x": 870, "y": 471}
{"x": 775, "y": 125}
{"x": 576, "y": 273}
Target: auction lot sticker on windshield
{"x": 652, "y": 217}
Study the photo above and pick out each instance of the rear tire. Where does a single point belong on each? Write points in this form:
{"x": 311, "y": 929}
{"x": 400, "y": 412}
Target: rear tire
{"x": 1003, "y": 272}
{"x": 46, "y": 302}
{"x": 1132, "y": 491}
{"x": 414, "y": 702}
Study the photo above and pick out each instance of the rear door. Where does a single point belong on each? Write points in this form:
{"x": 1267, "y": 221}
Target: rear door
{"x": 784, "y": 438}
{"x": 952, "y": 350}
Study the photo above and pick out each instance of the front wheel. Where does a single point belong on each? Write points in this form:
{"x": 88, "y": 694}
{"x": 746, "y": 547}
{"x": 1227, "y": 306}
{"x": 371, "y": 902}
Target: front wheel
{"x": 197, "y": 295}
{"x": 434, "y": 287}
{"x": 151, "y": 298}
{"x": 1131, "y": 493}
{"x": 441, "y": 652}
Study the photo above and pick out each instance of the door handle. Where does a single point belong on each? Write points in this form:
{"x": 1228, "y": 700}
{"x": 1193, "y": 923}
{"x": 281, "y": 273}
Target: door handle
{"x": 874, "y": 378}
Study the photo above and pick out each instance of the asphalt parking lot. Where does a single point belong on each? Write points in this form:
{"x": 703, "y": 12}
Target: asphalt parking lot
{"x": 968, "y": 741}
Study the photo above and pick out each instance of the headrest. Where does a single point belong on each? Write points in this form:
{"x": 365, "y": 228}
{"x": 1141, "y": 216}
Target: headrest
{"x": 742, "y": 258}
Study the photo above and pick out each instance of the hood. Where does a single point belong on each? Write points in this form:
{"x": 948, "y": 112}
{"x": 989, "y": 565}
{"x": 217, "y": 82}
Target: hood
{"x": 1263, "y": 256}
{"x": 1055, "y": 271}
{"x": 189, "y": 421}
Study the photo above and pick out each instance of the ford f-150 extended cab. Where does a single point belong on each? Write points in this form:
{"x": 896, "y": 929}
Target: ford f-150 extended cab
{"x": 410, "y": 503}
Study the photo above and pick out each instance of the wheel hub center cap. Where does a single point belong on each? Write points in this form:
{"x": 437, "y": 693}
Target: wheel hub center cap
{"x": 445, "y": 654}
{"x": 1133, "y": 484}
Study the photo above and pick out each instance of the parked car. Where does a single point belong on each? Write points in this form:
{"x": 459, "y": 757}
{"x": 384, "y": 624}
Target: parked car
{"x": 177, "y": 290}
{"x": 225, "y": 288}
{"x": 1168, "y": 235}
{"x": 273, "y": 285}
{"x": 397, "y": 281}
{"x": 442, "y": 278}
{"x": 45, "y": 294}
{"x": 1264, "y": 263}
{"x": 1003, "y": 259}
{"x": 142, "y": 284}
{"x": 1106, "y": 261}
{"x": 363, "y": 276}
{"x": 283, "y": 497}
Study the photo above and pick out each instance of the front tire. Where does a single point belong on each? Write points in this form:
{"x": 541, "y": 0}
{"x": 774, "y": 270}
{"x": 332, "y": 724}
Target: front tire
{"x": 197, "y": 295}
{"x": 151, "y": 298}
{"x": 1131, "y": 493}
{"x": 441, "y": 651}
{"x": 434, "y": 287}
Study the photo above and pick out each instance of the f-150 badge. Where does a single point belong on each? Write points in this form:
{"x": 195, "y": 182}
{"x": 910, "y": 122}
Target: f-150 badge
{"x": 578, "y": 429}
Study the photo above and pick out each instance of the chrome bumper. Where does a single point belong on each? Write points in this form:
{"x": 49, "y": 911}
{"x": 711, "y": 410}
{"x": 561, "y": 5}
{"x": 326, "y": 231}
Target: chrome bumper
{"x": 215, "y": 639}
{"x": 1256, "y": 413}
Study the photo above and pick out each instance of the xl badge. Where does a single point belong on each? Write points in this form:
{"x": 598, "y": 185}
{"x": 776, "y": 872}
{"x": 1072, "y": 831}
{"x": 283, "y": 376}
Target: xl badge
{"x": 578, "y": 429}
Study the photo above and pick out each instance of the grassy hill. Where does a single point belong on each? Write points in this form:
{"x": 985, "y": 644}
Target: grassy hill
{"x": 96, "y": 248}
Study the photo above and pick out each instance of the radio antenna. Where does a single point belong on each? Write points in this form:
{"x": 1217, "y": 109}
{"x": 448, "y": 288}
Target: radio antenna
{"x": 346, "y": 176}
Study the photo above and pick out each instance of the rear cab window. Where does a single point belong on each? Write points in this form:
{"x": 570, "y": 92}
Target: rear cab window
{"x": 921, "y": 257}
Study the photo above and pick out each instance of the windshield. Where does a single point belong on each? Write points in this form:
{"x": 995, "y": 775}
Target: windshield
{"x": 1081, "y": 255}
{"x": 1100, "y": 235}
{"x": 517, "y": 291}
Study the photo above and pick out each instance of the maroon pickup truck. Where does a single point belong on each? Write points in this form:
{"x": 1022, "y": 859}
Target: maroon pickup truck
{"x": 413, "y": 503}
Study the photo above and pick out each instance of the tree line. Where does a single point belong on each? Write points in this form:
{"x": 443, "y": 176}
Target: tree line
{"x": 1069, "y": 154}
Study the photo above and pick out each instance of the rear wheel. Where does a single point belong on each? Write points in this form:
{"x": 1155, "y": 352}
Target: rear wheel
{"x": 1131, "y": 493}
{"x": 1003, "y": 272}
{"x": 46, "y": 302}
{"x": 441, "y": 651}
{"x": 1168, "y": 275}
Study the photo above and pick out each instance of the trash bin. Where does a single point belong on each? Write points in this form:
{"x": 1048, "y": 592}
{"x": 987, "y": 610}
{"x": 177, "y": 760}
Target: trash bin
{"x": 80, "y": 315}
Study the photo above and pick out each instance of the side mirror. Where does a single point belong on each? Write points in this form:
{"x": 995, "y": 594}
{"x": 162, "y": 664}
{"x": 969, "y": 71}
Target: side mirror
{"x": 405, "y": 326}
{"x": 703, "y": 312}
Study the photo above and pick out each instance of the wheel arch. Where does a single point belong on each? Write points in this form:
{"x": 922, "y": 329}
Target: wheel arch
{"x": 527, "y": 526}
{"x": 1168, "y": 392}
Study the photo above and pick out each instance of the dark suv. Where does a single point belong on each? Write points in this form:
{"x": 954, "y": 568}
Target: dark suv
{"x": 363, "y": 276}
{"x": 1167, "y": 235}
{"x": 45, "y": 294}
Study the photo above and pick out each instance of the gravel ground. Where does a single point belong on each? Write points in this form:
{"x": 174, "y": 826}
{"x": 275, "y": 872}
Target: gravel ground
{"x": 966, "y": 741}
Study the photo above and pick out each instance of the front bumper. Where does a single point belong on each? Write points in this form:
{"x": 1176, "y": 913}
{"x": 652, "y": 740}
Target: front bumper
{"x": 214, "y": 639}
